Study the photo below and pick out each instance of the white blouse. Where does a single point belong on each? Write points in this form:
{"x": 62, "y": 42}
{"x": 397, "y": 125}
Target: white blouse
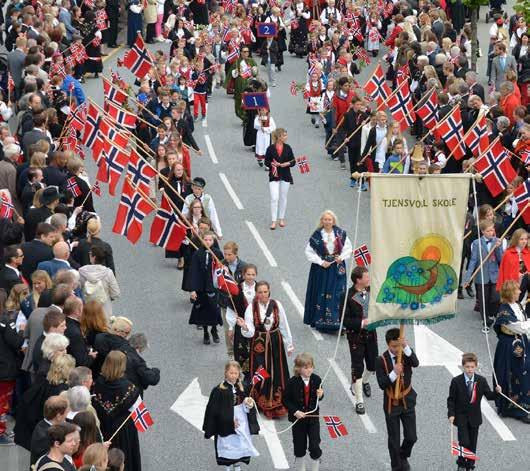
{"x": 249, "y": 291}
{"x": 285, "y": 330}
{"x": 329, "y": 241}
{"x": 522, "y": 326}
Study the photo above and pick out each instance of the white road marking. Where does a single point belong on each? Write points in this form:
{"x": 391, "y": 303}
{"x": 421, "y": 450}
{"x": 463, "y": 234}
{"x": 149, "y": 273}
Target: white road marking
{"x": 298, "y": 306}
{"x": 191, "y": 404}
{"x": 211, "y": 151}
{"x": 365, "y": 418}
{"x": 231, "y": 191}
{"x": 433, "y": 350}
{"x": 268, "y": 255}
{"x": 204, "y": 122}
{"x": 268, "y": 431}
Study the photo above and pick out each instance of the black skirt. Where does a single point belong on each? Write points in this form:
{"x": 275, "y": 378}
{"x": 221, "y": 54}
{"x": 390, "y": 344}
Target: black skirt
{"x": 206, "y": 310}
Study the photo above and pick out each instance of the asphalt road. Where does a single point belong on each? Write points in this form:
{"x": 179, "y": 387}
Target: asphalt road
{"x": 152, "y": 298}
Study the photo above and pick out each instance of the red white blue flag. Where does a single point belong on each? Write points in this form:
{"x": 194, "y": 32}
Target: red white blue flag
{"x": 166, "y": 230}
{"x": 362, "y": 256}
{"x": 141, "y": 416}
{"x": 137, "y": 59}
{"x": 335, "y": 426}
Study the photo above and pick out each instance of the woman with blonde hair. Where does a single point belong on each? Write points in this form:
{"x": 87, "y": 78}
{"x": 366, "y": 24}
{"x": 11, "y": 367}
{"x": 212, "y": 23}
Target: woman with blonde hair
{"x": 327, "y": 250}
{"x": 81, "y": 254}
{"x": 40, "y": 281}
{"x": 96, "y": 455}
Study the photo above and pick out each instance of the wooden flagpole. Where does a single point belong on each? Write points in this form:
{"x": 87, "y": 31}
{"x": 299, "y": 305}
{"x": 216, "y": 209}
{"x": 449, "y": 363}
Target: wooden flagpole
{"x": 399, "y": 356}
{"x": 494, "y": 209}
{"x": 121, "y": 426}
{"x": 480, "y": 115}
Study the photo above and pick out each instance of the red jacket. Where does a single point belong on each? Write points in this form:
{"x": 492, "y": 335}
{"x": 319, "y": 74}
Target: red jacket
{"x": 508, "y": 105}
{"x": 341, "y": 105}
{"x": 509, "y": 267}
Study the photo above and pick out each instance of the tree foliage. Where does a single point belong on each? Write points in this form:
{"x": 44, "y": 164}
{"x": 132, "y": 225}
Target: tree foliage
{"x": 523, "y": 6}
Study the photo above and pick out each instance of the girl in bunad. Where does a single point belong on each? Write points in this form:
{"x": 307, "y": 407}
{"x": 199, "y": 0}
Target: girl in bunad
{"x": 393, "y": 134}
{"x": 438, "y": 154}
{"x": 230, "y": 418}
{"x": 264, "y": 125}
{"x": 246, "y": 33}
{"x": 185, "y": 69}
{"x": 247, "y": 292}
{"x": 266, "y": 325}
{"x": 185, "y": 92}
{"x": 373, "y": 42}
{"x": 313, "y": 95}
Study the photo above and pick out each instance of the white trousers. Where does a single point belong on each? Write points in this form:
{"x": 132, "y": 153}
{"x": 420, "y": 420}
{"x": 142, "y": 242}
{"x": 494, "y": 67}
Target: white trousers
{"x": 279, "y": 192}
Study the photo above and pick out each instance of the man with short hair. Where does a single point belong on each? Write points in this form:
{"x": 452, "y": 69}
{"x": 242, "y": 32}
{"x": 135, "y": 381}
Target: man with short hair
{"x": 49, "y": 200}
{"x": 501, "y": 63}
{"x": 37, "y": 250}
{"x": 61, "y": 254}
{"x": 54, "y": 322}
{"x": 55, "y": 411}
{"x": 78, "y": 348}
{"x": 63, "y": 442}
{"x": 10, "y": 274}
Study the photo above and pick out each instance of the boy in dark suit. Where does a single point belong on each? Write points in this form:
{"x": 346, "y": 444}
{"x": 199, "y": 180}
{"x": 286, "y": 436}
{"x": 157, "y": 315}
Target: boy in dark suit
{"x": 400, "y": 407}
{"x": 463, "y": 406}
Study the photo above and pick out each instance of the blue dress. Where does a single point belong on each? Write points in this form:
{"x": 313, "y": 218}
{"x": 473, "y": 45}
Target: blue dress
{"x": 326, "y": 286}
{"x": 512, "y": 365}
{"x": 134, "y": 23}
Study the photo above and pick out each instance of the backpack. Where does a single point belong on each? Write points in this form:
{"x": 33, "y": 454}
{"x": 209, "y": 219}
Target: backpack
{"x": 95, "y": 291}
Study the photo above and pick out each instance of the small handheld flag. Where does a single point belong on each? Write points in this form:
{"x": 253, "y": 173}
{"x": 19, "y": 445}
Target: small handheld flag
{"x": 96, "y": 189}
{"x": 457, "y": 450}
{"x": 362, "y": 256}
{"x": 335, "y": 426}
{"x": 141, "y": 416}
{"x": 73, "y": 187}
{"x": 260, "y": 375}
{"x": 6, "y": 207}
{"x": 303, "y": 164}
{"x": 293, "y": 88}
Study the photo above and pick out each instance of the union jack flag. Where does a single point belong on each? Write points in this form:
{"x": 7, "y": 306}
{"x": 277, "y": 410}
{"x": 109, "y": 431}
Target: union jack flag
{"x": 335, "y": 426}
{"x": 225, "y": 281}
{"x": 477, "y": 137}
{"x": 303, "y": 164}
{"x": 138, "y": 59}
{"x": 166, "y": 230}
{"x": 450, "y": 131}
{"x": 495, "y": 168}
{"x": 377, "y": 88}
{"x": 141, "y": 416}
{"x": 73, "y": 187}
{"x": 362, "y": 256}
{"x": 132, "y": 211}
{"x": 6, "y": 209}
{"x": 401, "y": 106}
{"x": 457, "y": 450}
{"x": 123, "y": 118}
{"x": 260, "y": 375}
{"x": 522, "y": 199}
{"x": 113, "y": 93}
{"x": 429, "y": 110}
{"x": 91, "y": 126}
{"x": 139, "y": 172}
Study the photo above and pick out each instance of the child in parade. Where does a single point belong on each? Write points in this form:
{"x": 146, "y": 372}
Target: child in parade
{"x": 313, "y": 96}
{"x": 398, "y": 162}
{"x": 302, "y": 396}
{"x": 199, "y": 79}
{"x": 230, "y": 418}
{"x": 265, "y": 126}
{"x": 463, "y": 406}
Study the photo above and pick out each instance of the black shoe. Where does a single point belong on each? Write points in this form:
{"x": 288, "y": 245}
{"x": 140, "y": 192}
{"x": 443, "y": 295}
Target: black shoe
{"x": 367, "y": 390}
{"x": 206, "y": 339}
{"x": 460, "y": 293}
{"x": 469, "y": 291}
{"x": 490, "y": 320}
{"x": 359, "y": 408}
{"x": 405, "y": 466}
{"x": 215, "y": 335}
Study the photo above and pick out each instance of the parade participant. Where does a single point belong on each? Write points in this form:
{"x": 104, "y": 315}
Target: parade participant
{"x": 374, "y": 148}
{"x": 242, "y": 70}
{"x": 327, "y": 250}
{"x": 340, "y": 105}
{"x": 313, "y": 96}
{"x": 400, "y": 407}
{"x": 265, "y": 323}
{"x": 197, "y": 187}
{"x": 302, "y": 396}
{"x": 199, "y": 79}
{"x": 362, "y": 342}
{"x": 113, "y": 396}
{"x": 279, "y": 158}
{"x": 463, "y": 406}
{"x": 516, "y": 262}
{"x": 134, "y": 20}
{"x": 298, "y": 35}
{"x": 353, "y": 129}
{"x": 512, "y": 362}
{"x": 264, "y": 125}
{"x": 398, "y": 162}
{"x": 247, "y": 292}
{"x": 199, "y": 225}
{"x": 275, "y": 17}
{"x": 490, "y": 269}
{"x": 230, "y": 418}
{"x": 205, "y": 311}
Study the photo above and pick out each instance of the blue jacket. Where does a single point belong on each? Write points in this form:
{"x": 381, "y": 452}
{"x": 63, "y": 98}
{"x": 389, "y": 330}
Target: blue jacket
{"x": 53, "y": 266}
{"x": 78, "y": 92}
{"x": 491, "y": 266}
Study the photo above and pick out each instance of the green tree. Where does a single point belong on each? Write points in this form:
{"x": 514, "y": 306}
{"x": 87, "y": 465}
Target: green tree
{"x": 523, "y": 7}
{"x": 473, "y": 6}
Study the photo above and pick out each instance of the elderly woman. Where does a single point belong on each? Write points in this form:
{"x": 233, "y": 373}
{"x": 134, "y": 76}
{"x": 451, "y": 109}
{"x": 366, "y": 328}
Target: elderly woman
{"x": 327, "y": 250}
{"x": 54, "y": 345}
{"x": 78, "y": 400}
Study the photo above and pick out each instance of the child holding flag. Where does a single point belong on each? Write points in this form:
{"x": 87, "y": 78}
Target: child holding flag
{"x": 302, "y": 395}
{"x": 463, "y": 409}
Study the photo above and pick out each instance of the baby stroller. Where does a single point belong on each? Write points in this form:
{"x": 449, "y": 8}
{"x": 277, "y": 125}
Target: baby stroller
{"x": 495, "y": 9}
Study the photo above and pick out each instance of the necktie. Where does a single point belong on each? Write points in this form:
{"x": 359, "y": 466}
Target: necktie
{"x": 207, "y": 259}
{"x": 503, "y": 62}
{"x": 470, "y": 388}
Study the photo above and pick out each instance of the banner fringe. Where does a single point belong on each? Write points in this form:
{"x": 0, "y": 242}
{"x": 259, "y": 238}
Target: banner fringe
{"x": 431, "y": 321}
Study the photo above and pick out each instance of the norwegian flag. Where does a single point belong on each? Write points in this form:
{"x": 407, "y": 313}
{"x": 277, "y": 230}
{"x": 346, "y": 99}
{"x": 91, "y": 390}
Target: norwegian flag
{"x": 495, "y": 168}
{"x": 303, "y": 164}
{"x": 449, "y": 130}
{"x": 166, "y": 230}
{"x": 260, "y": 375}
{"x": 356, "y": 32}
{"x": 137, "y": 59}
{"x": 335, "y": 426}
{"x": 401, "y": 106}
{"x": 233, "y": 54}
{"x": 131, "y": 212}
{"x": 91, "y": 126}
{"x": 388, "y": 9}
{"x": 429, "y": 110}
{"x": 362, "y": 256}
{"x": 78, "y": 52}
{"x": 78, "y": 117}
{"x": 113, "y": 93}
{"x": 10, "y": 83}
{"x": 522, "y": 199}
{"x": 70, "y": 61}
{"x": 293, "y": 88}
{"x": 111, "y": 166}
{"x": 141, "y": 416}
{"x": 123, "y": 118}
{"x": 73, "y": 187}
{"x": 377, "y": 88}
{"x": 229, "y": 5}
{"x": 362, "y": 55}
{"x": 101, "y": 19}
{"x": 139, "y": 172}
{"x": 225, "y": 281}
{"x": 457, "y": 450}
{"x": 57, "y": 69}
{"x": 6, "y": 209}
{"x": 96, "y": 41}
{"x": 477, "y": 137}
{"x": 96, "y": 189}
{"x": 108, "y": 136}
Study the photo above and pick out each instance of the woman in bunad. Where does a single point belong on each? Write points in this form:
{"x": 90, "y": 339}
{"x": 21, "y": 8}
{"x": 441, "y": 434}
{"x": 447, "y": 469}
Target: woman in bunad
{"x": 264, "y": 125}
{"x": 247, "y": 292}
{"x": 328, "y": 249}
{"x": 266, "y": 325}
{"x": 195, "y": 215}
{"x": 512, "y": 359}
